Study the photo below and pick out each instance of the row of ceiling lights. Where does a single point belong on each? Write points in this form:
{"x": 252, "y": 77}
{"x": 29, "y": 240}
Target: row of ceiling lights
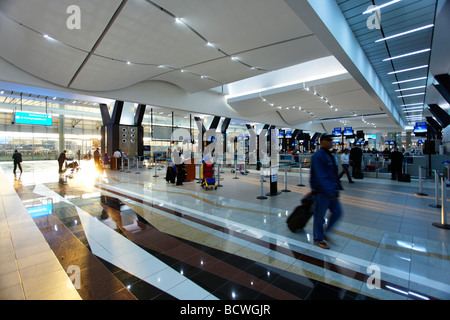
{"x": 415, "y": 107}
{"x": 311, "y": 113}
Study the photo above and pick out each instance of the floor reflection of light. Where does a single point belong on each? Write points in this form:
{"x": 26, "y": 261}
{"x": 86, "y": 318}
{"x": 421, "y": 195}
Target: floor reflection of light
{"x": 410, "y": 245}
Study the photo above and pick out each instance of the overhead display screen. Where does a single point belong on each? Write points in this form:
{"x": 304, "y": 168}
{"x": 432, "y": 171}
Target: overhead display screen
{"x": 22, "y": 117}
{"x": 420, "y": 127}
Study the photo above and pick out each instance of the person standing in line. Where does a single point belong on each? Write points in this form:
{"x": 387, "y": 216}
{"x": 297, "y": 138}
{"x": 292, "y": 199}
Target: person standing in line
{"x": 396, "y": 164}
{"x": 118, "y": 158}
{"x": 325, "y": 187}
{"x": 345, "y": 159}
{"x": 17, "y": 158}
{"x": 356, "y": 158}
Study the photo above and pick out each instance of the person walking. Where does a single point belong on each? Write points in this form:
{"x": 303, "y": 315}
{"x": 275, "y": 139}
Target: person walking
{"x": 325, "y": 188}
{"x": 97, "y": 157}
{"x": 61, "y": 160}
{"x": 17, "y": 158}
{"x": 345, "y": 160}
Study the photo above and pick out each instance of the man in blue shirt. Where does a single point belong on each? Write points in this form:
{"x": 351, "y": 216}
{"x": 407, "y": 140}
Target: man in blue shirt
{"x": 325, "y": 187}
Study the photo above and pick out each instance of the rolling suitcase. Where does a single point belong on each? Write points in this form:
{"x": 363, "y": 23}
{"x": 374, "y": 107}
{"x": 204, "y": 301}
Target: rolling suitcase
{"x": 301, "y": 214}
{"x": 404, "y": 177}
{"x": 170, "y": 174}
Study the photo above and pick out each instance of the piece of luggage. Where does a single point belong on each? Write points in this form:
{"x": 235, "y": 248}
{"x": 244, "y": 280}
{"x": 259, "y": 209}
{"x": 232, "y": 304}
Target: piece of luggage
{"x": 404, "y": 176}
{"x": 171, "y": 174}
{"x": 301, "y": 214}
{"x": 358, "y": 175}
{"x": 370, "y": 167}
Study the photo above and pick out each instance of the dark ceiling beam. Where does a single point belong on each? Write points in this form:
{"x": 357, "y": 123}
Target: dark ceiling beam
{"x": 97, "y": 43}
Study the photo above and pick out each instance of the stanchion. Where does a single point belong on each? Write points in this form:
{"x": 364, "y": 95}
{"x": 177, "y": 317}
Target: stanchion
{"x": 300, "y": 169}
{"x": 199, "y": 179}
{"x": 218, "y": 176}
{"x": 285, "y": 180}
{"x": 121, "y": 164}
{"x": 420, "y": 193}
{"x": 262, "y": 196}
{"x": 235, "y": 170}
{"x": 156, "y": 168}
{"x": 443, "y": 224}
{"x": 129, "y": 171}
{"x": 137, "y": 165}
{"x": 436, "y": 188}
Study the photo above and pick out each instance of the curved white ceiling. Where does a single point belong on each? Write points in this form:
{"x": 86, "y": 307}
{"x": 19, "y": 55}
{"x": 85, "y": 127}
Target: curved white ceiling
{"x": 263, "y": 35}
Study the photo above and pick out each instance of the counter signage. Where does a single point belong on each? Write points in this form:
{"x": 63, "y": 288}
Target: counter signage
{"x": 22, "y": 117}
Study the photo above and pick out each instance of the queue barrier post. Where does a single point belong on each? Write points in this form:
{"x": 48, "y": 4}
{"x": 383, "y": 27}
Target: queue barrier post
{"x": 436, "y": 190}
{"x": 285, "y": 180}
{"x": 301, "y": 180}
{"x": 420, "y": 193}
{"x": 443, "y": 223}
{"x": 262, "y": 196}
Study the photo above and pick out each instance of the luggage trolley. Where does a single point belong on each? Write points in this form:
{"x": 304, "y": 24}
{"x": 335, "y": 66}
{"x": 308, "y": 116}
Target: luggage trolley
{"x": 207, "y": 176}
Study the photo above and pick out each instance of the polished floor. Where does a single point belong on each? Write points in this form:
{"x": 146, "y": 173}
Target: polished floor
{"x": 130, "y": 235}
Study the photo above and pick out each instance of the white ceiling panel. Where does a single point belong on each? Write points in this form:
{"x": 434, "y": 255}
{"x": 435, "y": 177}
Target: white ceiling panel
{"x": 50, "y": 17}
{"x": 100, "y": 74}
{"x": 144, "y": 34}
{"x": 47, "y": 59}
{"x": 285, "y": 54}
{"x": 236, "y": 25}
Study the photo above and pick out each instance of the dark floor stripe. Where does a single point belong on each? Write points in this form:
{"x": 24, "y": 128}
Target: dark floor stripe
{"x": 385, "y": 285}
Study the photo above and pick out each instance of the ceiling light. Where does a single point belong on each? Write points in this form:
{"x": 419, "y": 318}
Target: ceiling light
{"x": 412, "y": 95}
{"x": 412, "y": 104}
{"x": 409, "y": 69}
{"x": 410, "y": 80}
{"x": 2, "y": 92}
{"x": 413, "y": 108}
{"x": 234, "y": 58}
{"x": 74, "y": 101}
{"x": 406, "y": 32}
{"x": 379, "y": 7}
{"x": 412, "y": 88}
{"x": 178, "y": 20}
{"x": 209, "y": 44}
{"x": 407, "y": 54}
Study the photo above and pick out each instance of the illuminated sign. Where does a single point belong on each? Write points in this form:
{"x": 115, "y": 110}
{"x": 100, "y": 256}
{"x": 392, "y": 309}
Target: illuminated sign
{"x": 22, "y": 117}
{"x": 39, "y": 211}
